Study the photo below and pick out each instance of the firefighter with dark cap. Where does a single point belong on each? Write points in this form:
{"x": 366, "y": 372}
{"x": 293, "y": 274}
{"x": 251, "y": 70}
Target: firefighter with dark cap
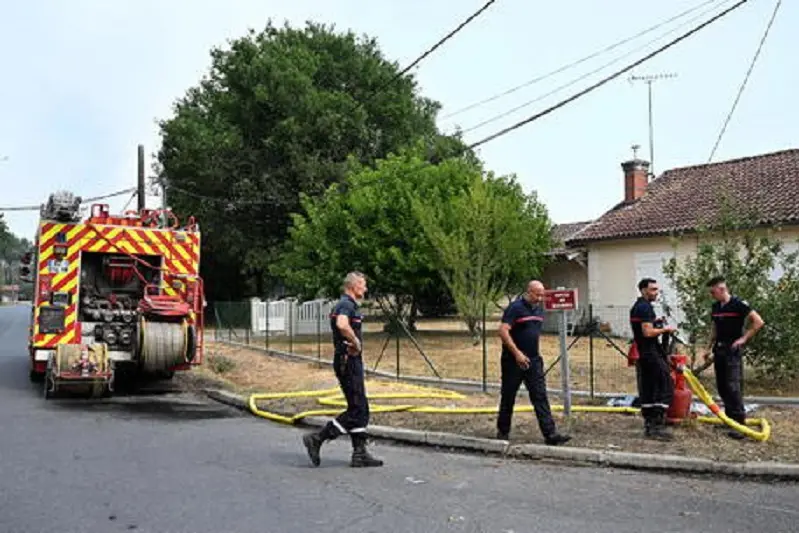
{"x": 655, "y": 386}
{"x": 345, "y": 322}
{"x": 727, "y": 340}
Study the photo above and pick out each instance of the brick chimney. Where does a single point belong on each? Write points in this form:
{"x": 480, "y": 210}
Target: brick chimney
{"x": 636, "y": 177}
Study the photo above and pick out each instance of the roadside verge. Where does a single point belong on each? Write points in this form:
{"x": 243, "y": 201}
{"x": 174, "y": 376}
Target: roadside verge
{"x": 585, "y": 456}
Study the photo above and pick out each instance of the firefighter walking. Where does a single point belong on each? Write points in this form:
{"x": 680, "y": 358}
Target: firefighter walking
{"x": 345, "y": 322}
{"x": 521, "y": 361}
{"x": 727, "y": 340}
{"x": 655, "y": 386}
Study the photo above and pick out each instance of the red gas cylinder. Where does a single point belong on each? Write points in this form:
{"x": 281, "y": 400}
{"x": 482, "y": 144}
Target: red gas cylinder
{"x": 681, "y": 404}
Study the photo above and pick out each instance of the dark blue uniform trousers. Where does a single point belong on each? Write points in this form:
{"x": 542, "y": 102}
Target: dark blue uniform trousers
{"x": 533, "y": 378}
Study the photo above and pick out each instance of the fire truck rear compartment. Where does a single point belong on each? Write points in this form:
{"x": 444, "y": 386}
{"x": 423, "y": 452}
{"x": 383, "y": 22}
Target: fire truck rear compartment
{"x": 110, "y": 292}
{"x": 116, "y": 308}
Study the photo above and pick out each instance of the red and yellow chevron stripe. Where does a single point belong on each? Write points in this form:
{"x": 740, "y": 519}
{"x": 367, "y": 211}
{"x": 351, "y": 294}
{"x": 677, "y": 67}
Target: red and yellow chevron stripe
{"x": 179, "y": 250}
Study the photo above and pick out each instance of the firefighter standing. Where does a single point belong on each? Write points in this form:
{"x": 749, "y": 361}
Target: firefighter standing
{"x": 522, "y": 362}
{"x": 655, "y": 387}
{"x": 345, "y": 321}
{"x": 727, "y": 339}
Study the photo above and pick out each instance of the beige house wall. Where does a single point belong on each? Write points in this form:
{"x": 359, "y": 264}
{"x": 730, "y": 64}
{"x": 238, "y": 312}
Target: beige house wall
{"x": 615, "y": 267}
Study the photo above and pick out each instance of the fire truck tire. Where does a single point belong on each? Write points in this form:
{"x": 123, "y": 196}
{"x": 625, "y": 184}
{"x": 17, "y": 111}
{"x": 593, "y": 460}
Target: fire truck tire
{"x": 49, "y": 386}
{"x": 191, "y": 344}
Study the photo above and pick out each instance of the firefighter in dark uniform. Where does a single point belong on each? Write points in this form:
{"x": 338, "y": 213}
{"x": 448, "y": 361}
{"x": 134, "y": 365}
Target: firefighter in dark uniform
{"x": 727, "y": 339}
{"x": 521, "y": 362}
{"x": 655, "y": 386}
{"x": 345, "y": 322}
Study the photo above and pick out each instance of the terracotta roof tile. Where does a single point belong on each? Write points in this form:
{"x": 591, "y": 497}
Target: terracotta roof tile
{"x": 682, "y": 199}
{"x": 561, "y": 233}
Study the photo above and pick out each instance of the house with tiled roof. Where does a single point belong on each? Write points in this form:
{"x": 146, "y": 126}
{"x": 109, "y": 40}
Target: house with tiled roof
{"x": 608, "y": 256}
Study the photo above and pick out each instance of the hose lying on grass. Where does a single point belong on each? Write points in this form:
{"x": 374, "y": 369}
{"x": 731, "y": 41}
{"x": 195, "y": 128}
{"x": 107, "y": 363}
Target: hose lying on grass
{"x": 335, "y": 401}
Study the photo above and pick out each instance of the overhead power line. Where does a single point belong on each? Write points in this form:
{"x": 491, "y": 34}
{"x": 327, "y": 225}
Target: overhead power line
{"x": 93, "y": 199}
{"x": 500, "y": 133}
{"x": 433, "y": 48}
{"x": 580, "y": 61}
{"x": 582, "y": 77}
{"x": 605, "y": 80}
{"x": 746, "y": 79}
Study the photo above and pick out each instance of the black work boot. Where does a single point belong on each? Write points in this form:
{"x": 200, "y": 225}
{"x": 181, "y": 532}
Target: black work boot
{"x": 734, "y": 433}
{"x": 313, "y": 442}
{"x": 657, "y": 429}
{"x": 502, "y": 435}
{"x": 361, "y": 458}
{"x": 556, "y": 439}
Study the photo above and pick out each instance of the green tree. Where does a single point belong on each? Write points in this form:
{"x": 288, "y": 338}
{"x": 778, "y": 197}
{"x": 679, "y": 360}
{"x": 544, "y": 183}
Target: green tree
{"x": 489, "y": 238}
{"x": 371, "y": 226}
{"x": 279, "y": 116}
{"x": 11, "y": 250}
{"x": 734, "y": 246}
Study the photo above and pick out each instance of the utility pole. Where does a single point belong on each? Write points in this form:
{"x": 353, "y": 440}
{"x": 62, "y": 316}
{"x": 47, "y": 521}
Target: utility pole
{"x": 140, "y": 175}
{"x": 164, "y": 219}
{"x": 649, "y": 79}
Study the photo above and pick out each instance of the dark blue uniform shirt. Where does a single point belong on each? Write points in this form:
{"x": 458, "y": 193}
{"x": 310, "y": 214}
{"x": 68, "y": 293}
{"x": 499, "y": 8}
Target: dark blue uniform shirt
{"x": 729, "y": 319}
{"x": 525, "y": 321}
{"x": 642, "y": 311}
{"x": 348, "y": 307}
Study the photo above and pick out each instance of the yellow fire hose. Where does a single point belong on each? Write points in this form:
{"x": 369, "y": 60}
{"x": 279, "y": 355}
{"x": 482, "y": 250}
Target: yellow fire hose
{"x": 721, "y": 418}
{"x": 334, "y": 399}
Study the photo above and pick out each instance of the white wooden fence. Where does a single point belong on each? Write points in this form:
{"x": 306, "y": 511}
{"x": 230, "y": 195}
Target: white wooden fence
{"x": 288, "y": 317}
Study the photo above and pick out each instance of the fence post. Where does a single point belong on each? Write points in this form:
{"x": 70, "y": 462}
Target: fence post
{"x": 290, "y": 317}
{"x": 248, "y": 322}
{"x": 319, "y": 331}
{"x": 266, "y": 334}
{"x": 485, "y": 350}
{"x": 396, "y": 332}
{"x": 229, "y": 327}
{"x": 591, "y": 348}
{"x": 218, "y": 323}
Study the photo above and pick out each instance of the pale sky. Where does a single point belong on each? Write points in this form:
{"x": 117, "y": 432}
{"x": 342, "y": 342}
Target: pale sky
{"x": 84, "y": 82}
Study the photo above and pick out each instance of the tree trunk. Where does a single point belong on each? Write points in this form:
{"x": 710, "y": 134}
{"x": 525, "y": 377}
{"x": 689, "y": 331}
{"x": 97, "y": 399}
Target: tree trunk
{"x": 475, "y": 328}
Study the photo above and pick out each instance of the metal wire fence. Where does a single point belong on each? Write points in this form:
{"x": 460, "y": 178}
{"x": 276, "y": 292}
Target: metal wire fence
{"x": 438, "y": 347}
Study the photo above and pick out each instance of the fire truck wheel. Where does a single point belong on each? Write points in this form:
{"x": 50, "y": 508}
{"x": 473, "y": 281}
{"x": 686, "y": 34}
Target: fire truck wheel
{"x": 49, "y": 385}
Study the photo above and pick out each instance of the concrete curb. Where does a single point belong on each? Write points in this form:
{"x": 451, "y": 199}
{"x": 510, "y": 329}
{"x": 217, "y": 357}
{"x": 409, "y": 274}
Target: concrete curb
{"x": 467, "y": 385}
{"x": 588, "y": 456}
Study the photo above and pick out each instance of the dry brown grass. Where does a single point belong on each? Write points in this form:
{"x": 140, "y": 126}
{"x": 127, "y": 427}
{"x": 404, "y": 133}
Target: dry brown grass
{"x": 454, "y": 355}
{"x": 254, "y": 371}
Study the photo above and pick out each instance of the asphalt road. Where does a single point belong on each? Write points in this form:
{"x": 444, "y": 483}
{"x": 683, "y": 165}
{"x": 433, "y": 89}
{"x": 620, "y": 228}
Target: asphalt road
{"x": 176, "y": 463}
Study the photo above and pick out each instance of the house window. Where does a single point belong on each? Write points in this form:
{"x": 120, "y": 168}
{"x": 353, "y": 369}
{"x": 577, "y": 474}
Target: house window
{"x": 778, "y": 271}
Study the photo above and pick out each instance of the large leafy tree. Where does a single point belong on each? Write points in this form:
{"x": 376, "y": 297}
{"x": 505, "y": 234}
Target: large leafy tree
{"x": 278, "y": 116}
{"x": 370, "y": 225}
{"x": 490, "y": 237}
